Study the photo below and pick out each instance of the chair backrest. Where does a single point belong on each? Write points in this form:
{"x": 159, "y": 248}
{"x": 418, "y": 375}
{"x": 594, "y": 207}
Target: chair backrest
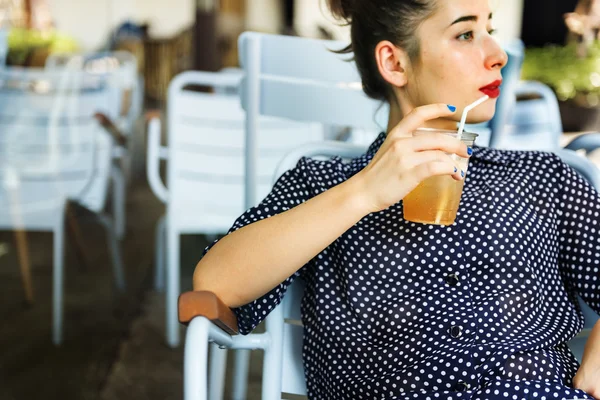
{"x": 535, "y": 122}
{"x": 51, "y": 147}
{"x": 511, "y": 74}
{"x": 206, "y": 144}
{"x": 119, "y": 69}
{"x": 309, "y": 83}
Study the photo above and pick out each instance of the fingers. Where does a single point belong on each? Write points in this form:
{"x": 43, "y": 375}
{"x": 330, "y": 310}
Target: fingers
{"x": 418, "y": 116}
{"x": 427, "y": 157}
{"x": 439, "y": 141}
{"x": 437, "y": 168}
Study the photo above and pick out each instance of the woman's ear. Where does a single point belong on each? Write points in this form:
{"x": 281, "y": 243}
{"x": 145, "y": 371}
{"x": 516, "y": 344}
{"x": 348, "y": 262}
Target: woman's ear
{"x": 392, "y": 63}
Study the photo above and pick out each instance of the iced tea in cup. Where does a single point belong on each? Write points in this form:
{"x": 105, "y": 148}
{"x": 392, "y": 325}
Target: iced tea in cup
{"x": 436, "y": 199}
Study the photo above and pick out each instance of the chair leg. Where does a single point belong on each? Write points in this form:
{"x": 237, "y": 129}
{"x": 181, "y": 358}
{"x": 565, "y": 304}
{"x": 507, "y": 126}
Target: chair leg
{"x": 119, "y": 200}
{"x": 159, "y": 257}
{"x": 173, "y": 286}
{"x": 216, "y": 372}
{"x": 24, "y": 264}
{"x": 194, "y": 360}
{"x": 115, "y": 252}
{"x": 58, "y": 283}
{"x": 22, "y": 248}
{"x": 75, "y": 235}
{"x": 240, "y": 374}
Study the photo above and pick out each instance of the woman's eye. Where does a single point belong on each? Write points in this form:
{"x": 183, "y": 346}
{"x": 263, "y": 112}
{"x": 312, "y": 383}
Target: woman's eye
{"x": 492, "y": 31}
{"x": 465, "y": 36}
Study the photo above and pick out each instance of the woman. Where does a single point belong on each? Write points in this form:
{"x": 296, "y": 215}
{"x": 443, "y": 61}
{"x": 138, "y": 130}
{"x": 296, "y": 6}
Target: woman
{"x": 481, "y": 309}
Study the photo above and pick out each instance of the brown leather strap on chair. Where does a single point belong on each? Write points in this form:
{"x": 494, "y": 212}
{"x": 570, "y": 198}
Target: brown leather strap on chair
{"x": 207, "y": 304}
{"x": 111, "y": 128}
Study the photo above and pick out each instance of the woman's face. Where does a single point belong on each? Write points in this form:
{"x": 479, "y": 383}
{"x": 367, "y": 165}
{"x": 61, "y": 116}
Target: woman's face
{"x": 459, "y": 59}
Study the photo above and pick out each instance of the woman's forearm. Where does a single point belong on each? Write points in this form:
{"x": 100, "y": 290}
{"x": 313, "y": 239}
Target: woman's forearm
{"x": 591, "y": 353}
{"x": 251, "y": 261}
{"x": 588, "y": 375}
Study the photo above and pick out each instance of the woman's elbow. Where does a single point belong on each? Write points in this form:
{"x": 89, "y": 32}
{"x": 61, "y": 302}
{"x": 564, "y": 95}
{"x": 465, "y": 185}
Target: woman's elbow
{"x": 199, "y": 281}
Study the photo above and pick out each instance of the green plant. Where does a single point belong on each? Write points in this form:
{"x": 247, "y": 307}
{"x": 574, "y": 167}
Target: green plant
{"x": 21, "y": 42}
{"x": 569, "y": 76}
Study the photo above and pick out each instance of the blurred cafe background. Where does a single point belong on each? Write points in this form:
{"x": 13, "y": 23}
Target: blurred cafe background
{"x": 86, "y": 242}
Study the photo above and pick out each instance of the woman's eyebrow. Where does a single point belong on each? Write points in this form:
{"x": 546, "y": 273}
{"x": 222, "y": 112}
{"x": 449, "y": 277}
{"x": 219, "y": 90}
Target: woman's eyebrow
{"x": 468, "y": 18}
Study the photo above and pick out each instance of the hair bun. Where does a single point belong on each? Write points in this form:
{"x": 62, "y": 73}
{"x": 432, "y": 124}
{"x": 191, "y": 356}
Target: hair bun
{"x": 341, "y": 9}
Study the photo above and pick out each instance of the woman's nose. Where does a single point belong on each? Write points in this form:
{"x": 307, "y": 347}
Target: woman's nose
{"x": 496, "y": 56}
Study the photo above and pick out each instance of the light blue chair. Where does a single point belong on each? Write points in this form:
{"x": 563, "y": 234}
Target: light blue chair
{"x": 511, "y": 74}
{"x": 535, "y": 123}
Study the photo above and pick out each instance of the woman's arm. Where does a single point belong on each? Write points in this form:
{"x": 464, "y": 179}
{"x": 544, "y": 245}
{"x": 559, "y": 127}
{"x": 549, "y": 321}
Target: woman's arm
{"x": 588, "y": 375}
{"x": 251, "y": 261}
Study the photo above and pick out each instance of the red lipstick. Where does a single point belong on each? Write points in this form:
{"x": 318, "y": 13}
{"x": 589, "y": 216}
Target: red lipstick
{"x": 493, "y": 89}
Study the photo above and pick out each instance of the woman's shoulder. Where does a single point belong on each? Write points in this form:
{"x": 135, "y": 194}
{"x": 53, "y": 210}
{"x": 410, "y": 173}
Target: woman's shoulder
{"x": 515, "y": 157}
{"x": 321, "y": 173}
{"x": 335, "y": 166}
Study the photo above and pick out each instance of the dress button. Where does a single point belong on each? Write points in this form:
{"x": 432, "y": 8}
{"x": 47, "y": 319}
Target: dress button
{"x": 455, "y": 331}
{"x": 451, "y": 280}
{"x": 462, "y": 386}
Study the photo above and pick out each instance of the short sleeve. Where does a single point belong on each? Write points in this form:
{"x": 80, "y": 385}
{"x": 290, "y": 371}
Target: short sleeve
{"x": 579, "y": 235}
{"x": 290, "y": 190}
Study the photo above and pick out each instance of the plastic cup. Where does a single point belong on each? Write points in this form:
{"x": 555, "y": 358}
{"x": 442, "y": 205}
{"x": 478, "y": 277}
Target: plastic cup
{"x": 436, "y": 199}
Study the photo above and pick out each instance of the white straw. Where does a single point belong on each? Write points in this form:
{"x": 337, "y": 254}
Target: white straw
{"x": 468, "y": 108}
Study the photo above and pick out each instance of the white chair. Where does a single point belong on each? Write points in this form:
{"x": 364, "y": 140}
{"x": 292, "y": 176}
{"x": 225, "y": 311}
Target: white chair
{"x": 52, "y": 150}
{"x": 205, "y": 168}
{"x": 120, "y": 70}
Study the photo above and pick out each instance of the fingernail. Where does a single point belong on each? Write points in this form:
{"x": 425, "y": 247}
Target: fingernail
{"x": 455, "y": 169}
{"x": 462, "y": 174}
{"x": 469, "y": 151}
{"x": 451, "y": 108}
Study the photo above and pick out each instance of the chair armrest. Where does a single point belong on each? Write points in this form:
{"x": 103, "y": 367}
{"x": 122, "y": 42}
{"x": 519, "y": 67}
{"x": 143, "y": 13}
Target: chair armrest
{"x": 588, "y": 142}
{"x": 154, "y": 154}
{"x": 111, "y": 128}
{"x": 208, "y": 305}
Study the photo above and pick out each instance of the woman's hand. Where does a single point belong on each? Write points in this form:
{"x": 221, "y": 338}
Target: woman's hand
{"x": 404, "y": 161}
{"x": 588, "y": 380}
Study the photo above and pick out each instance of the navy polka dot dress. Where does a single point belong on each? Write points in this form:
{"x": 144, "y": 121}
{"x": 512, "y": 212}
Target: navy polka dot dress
{"x": 481, "y": 309}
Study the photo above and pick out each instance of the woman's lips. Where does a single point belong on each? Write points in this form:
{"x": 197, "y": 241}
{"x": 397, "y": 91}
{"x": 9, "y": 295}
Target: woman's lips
{"x": 493, "y": 89}
{"x": 493, "y": 92}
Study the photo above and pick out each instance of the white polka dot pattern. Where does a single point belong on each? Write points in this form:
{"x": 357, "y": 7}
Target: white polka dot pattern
{"x": 481, "y": 309}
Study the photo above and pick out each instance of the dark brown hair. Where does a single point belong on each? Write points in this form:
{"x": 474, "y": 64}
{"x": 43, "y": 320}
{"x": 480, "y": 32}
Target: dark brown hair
{"x": 372, "y": 21}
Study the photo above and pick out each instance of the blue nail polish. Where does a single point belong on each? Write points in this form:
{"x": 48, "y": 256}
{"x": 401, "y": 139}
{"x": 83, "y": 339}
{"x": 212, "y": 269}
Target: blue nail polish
{"x": 469, "y": 151}
{"x": 455, "y": 169}
{"x": 451, "y": 108}
{"x": 462, "y": 174}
